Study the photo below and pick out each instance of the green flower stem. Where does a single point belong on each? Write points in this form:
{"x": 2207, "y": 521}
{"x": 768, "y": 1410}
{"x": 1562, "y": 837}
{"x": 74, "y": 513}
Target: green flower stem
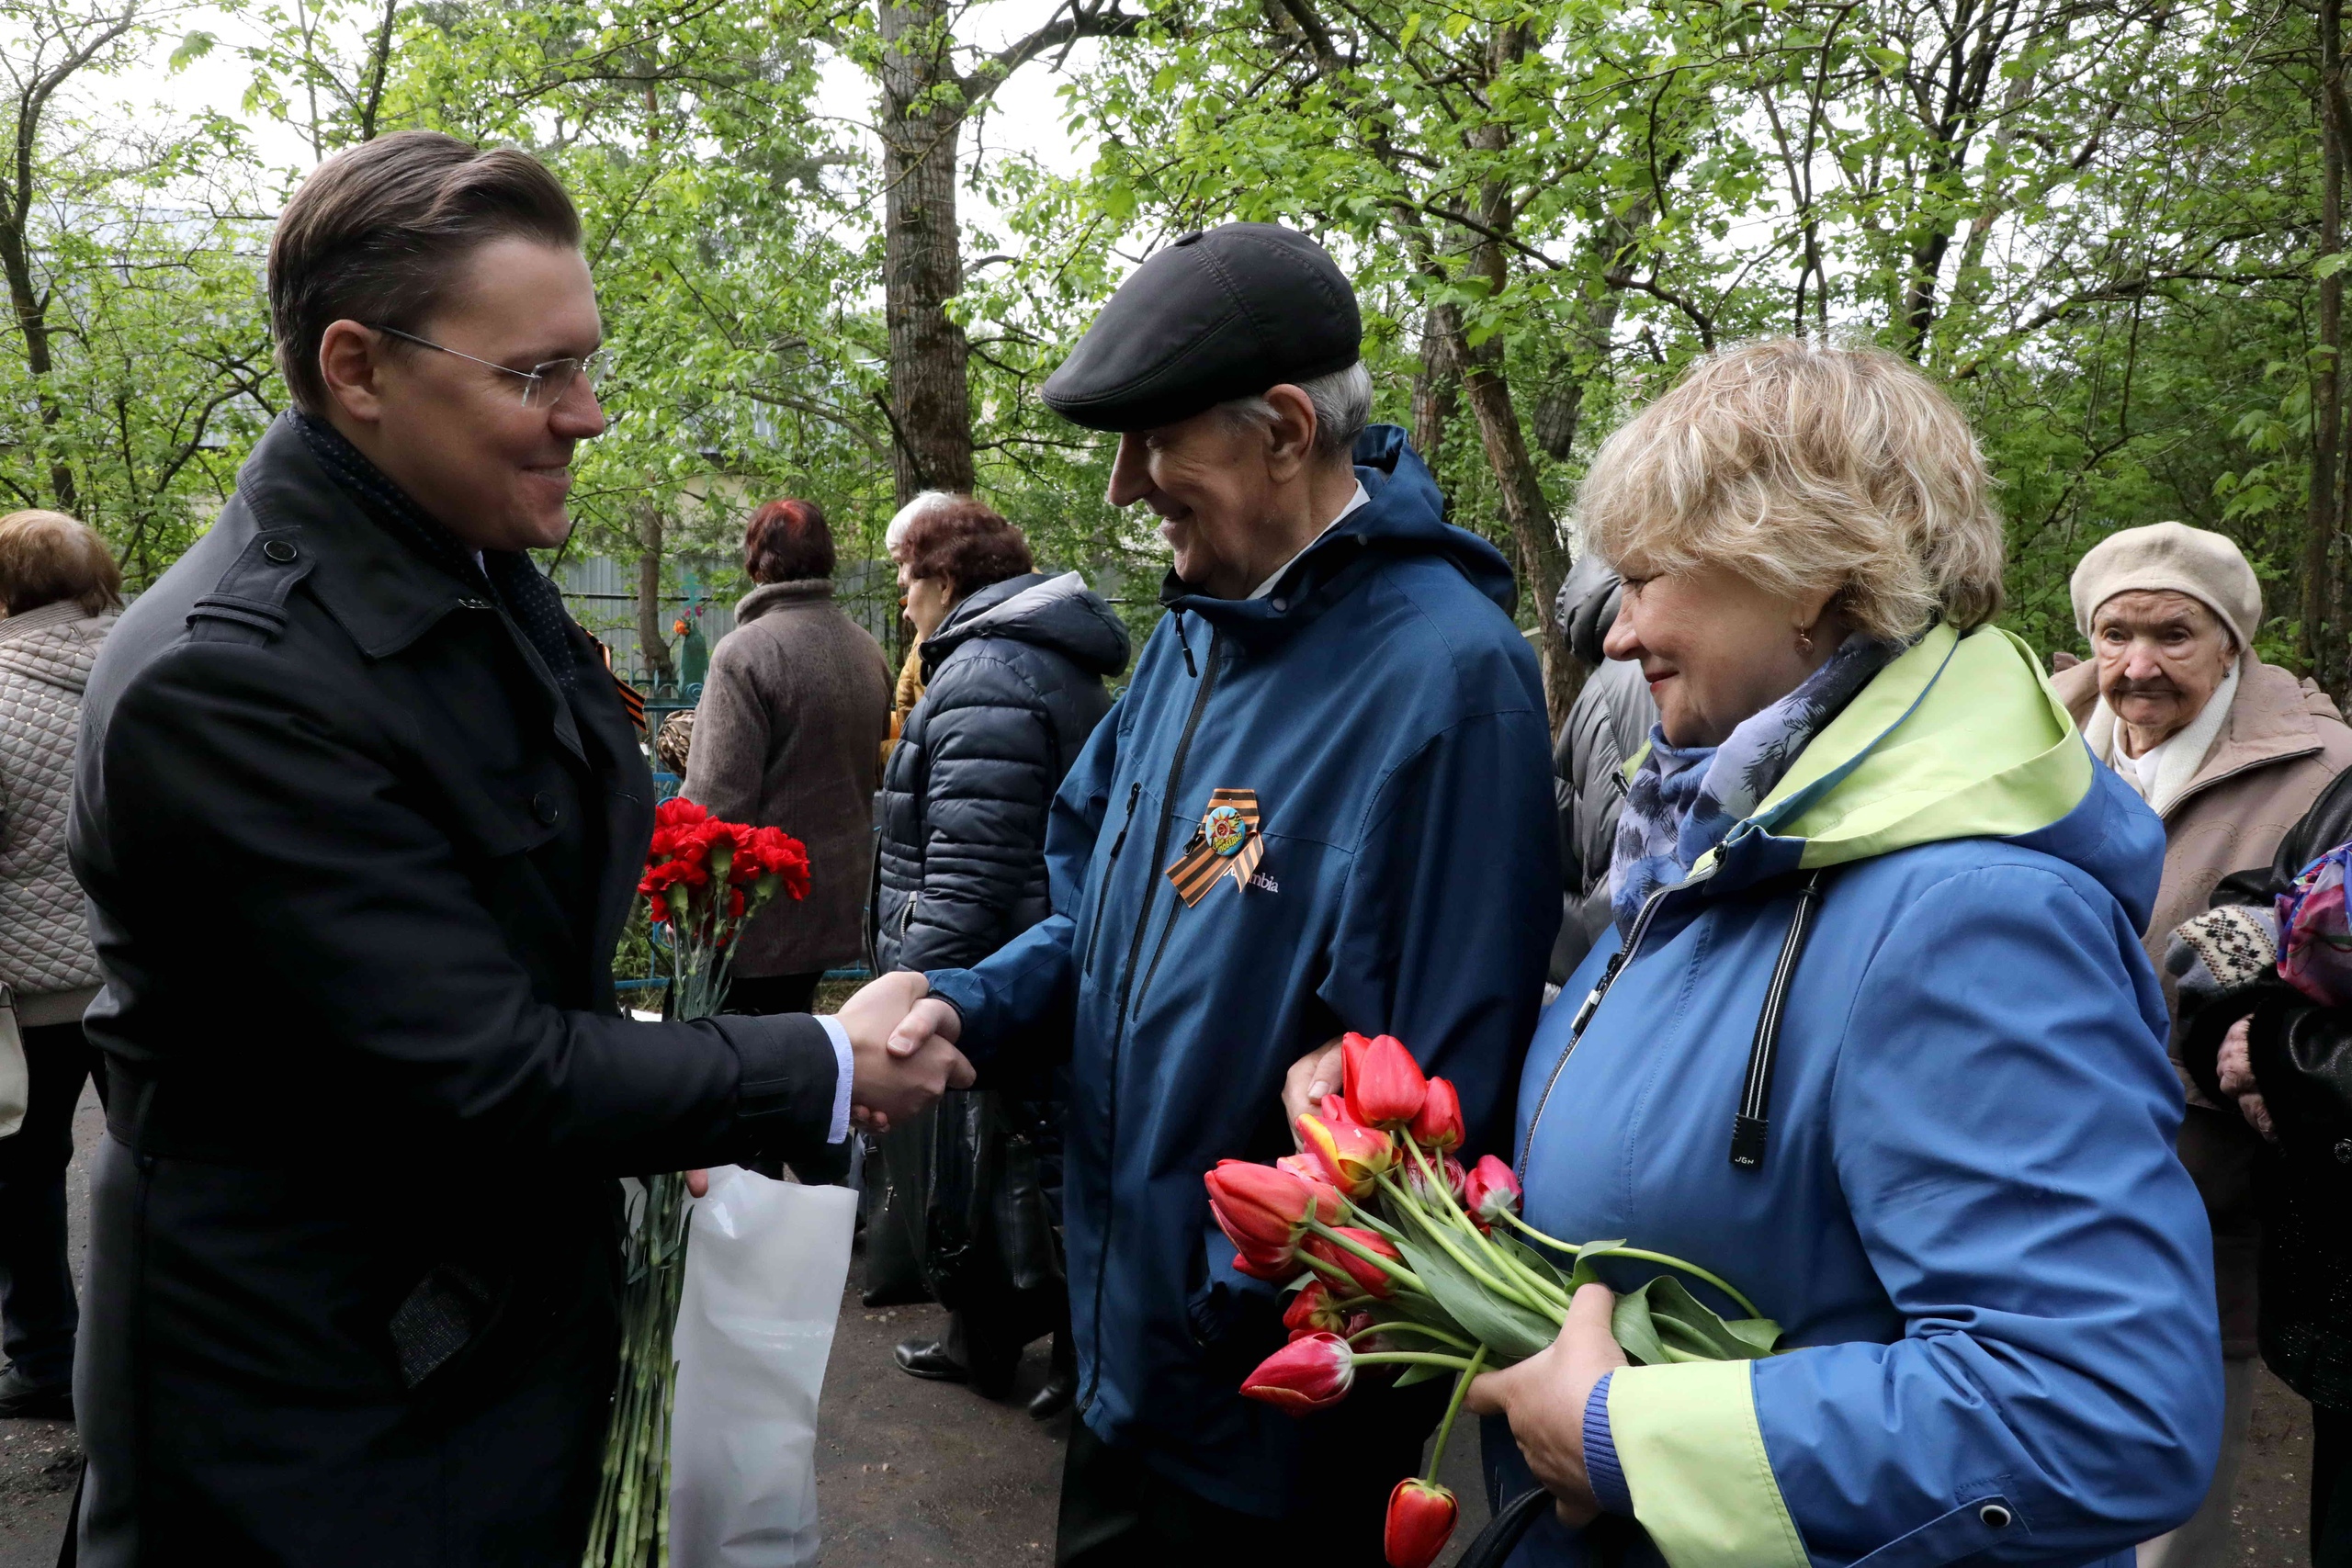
{"x": 1437, "y": 1233}
{"x": 1503, "y": 1259}
{"x": 1411, "y": 1358}
{"x": 1572, "y": 1248}
{"x": 1408, "y": 1324}
{"x": 1453, "y": 1408}
{"x": 1395, "y": 1270}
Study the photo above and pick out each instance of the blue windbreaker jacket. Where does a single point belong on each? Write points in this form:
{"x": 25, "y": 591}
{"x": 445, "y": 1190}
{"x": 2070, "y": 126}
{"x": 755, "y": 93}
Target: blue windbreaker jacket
{"x": 1969, "y": 1218}
{"x": 1389, "y": 717}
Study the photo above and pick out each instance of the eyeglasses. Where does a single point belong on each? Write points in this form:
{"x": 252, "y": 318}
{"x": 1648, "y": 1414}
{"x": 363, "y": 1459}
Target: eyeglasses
{"x": 544, "y": 384}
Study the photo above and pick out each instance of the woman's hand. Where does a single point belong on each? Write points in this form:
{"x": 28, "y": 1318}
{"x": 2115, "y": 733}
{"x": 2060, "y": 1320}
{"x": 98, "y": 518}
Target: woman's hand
{"x": 1544, "y": 1399}
{"x": 1311, "y": 1078}
{"x": 2236, "y": 1067}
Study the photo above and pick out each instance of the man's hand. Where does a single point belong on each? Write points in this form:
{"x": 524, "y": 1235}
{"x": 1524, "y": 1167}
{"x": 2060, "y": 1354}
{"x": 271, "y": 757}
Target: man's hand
{"x": 892, "y": 1084}
{"x": 2235, "y": 1066}
{"x": 1544, "y": 1399}
{"x": 929, "y": 1023}
{"x": 1311, "y": 1078}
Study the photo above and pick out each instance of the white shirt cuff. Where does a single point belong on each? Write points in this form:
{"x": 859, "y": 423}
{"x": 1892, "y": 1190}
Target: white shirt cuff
{"x": 844, "y": 1075}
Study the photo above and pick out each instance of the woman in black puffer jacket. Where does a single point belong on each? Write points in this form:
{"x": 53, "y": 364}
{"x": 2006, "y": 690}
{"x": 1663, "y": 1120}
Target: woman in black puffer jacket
{"x": 1013, "y": 664}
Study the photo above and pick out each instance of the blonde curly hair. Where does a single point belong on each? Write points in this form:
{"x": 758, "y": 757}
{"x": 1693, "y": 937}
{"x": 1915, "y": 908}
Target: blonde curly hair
{"x": 1805, "y": 467}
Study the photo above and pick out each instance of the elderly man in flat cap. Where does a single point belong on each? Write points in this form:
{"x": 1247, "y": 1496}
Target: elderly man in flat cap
{"x": 1323, "y": 805}
{"x": 2231, "y": 752}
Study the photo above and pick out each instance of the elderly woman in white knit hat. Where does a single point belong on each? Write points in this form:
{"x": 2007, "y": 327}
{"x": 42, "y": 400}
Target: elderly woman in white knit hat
{"x": 2231, "y": 752}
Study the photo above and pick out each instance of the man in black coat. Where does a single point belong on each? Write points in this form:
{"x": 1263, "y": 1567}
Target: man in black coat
{"x": 360, "y": 815}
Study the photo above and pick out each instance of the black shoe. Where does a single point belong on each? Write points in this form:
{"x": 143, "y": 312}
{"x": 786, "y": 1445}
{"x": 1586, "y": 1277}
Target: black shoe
{"x": 43, "y": 1402}
{"x": 929, "y": 1359}
{"x": 1053, "y": 1398}
{"x": 1061, "y": 1380}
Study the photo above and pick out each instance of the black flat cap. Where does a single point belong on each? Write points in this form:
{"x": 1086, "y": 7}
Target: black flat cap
{"x": 1216, "y": 316}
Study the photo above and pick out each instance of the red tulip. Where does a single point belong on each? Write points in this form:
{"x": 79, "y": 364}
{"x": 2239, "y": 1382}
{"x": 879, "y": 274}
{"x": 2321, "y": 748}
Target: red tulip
{"x": 1387, "y": 1087}
{"x": 1353, "y": 1158}
{"x": 1420, "y": 1522}
{"x": 1448, "y": 1168}
{"x": 1439, "y": 1124}
{"x": 1275, "y": 1268}
{"x": 1312, "y": 1312}
{"x": 1353, "y": 1047}
{"x": 1491, "y": 1191}
{"x": 1370, "y": 1277}
{"x": 1335, "y": 1109}
{"x": 1313, "y": 1373}
{"x": 1264, "y": 1209}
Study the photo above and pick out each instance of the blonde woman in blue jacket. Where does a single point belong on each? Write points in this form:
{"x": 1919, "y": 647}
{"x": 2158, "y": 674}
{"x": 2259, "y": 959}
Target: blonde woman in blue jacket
{"x": 1874, "y": 1037}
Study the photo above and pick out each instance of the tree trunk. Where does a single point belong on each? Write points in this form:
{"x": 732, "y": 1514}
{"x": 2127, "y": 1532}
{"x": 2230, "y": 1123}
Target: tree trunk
{"x": 923, "y": 115}
{"x": 1437, "y": 386}
{"x": 2327, "y": 393}
{"x": 650, "y": 644}
{"x": 32, "y": 321}
{"x": 1543, "y": 559}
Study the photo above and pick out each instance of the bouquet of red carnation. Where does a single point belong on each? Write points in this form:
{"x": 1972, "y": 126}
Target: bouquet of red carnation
{"x": 1401, "y": 1257}
{"x": 705, "y": 879}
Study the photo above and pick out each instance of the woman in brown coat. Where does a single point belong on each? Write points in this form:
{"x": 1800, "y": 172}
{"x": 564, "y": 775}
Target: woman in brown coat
{"x": 792, "y": 717}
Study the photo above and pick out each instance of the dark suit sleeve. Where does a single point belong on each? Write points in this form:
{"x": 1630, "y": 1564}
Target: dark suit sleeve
{"x": 269, "y": 824}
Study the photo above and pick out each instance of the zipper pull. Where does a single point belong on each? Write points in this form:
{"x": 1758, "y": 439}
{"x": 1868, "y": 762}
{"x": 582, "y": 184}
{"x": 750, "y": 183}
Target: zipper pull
{"x": 1592, "y": 997}
{"x": 1135, "y": 793}
{"x": 1186, "y": 644}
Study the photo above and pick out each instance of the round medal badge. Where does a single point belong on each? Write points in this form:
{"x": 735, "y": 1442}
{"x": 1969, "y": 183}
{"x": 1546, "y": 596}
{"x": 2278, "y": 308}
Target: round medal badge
{"x": 1226, "y": 829}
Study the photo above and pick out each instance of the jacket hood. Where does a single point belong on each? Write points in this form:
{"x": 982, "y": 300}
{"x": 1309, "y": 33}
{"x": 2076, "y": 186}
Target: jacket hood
{"x": 1586, "y": 606}
{"x": 1958, "y": 737}
{"x": 1405, "y": 516}
{"x": 1058, "y": 613}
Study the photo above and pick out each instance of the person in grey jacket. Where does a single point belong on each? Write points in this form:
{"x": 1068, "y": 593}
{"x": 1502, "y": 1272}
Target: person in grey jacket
{"x": 792, "y": 717}
{"x": 1607, "y": 724}
{"x": 1013, "y": 664}
{"x": 63, "y": 591}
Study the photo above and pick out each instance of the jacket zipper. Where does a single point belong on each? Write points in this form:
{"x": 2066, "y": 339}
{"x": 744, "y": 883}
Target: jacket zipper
{"x": 1617, "y": 962}
{"x": 1094, "y": 938}
{"x": 1157, "y": 953}
{"x": 1135, "y": 952}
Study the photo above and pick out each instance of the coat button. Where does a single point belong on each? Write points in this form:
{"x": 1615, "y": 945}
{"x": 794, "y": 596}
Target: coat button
{"x": 545, "y": 808}
{"x": 1994, "y": 1516}
{"x": 282, "y": 551}
{"x": 2344, "y": 1151}
{"x": 1279, "y": 605}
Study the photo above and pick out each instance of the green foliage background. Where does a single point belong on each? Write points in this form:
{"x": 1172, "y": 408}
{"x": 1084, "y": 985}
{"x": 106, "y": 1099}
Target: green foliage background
{"x": 2108, "y": 252}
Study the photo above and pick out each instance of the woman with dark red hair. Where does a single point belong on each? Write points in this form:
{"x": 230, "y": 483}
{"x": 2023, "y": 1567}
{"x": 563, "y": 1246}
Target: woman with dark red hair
{"x": 1013, "y": 664}
{"x": 792, "y": 716}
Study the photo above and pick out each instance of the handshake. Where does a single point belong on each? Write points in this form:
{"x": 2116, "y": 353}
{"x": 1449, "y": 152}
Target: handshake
{"x": 902, "y": 1046}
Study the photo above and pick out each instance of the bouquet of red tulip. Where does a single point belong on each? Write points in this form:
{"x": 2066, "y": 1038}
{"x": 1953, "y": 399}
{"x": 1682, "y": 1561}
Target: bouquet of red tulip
{"x": 705, "y": 880}
{"x": 1402, "y": 1258}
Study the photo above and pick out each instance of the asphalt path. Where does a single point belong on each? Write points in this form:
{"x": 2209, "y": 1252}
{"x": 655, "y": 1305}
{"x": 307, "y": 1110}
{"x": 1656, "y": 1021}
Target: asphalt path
{"x": 910, "y": 1474}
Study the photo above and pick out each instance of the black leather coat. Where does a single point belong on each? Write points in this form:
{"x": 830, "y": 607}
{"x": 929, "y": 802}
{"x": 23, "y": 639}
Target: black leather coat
{"x": 1013, "y": 686}
{"x": 356, "y": 861}
{"x": 2301, "y": 1055}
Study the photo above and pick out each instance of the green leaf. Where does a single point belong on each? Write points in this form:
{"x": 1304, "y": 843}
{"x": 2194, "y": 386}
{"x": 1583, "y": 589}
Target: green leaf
{"x": 197, "y": 45}
{"x": 1510, "y": 1331}
{"x": 1662, "y": 1321}
{"x": 1421, "y": 1371}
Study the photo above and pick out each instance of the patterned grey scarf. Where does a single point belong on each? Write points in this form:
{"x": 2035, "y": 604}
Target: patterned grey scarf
{"x": 1684, "y": 799}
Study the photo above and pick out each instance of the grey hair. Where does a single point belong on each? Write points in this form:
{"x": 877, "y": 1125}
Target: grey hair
{"x": 1342, "y": 403}
{"x": 929, "y": 501}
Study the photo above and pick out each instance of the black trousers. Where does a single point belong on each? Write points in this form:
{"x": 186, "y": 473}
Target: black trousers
{"x": 1118, "y": 1512}
{"x": 2331, "y": 1488}
{"x": 39, "y": 1315}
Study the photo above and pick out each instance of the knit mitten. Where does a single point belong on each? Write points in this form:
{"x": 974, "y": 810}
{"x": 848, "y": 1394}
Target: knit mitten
{"x": 2222, "y": 950}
